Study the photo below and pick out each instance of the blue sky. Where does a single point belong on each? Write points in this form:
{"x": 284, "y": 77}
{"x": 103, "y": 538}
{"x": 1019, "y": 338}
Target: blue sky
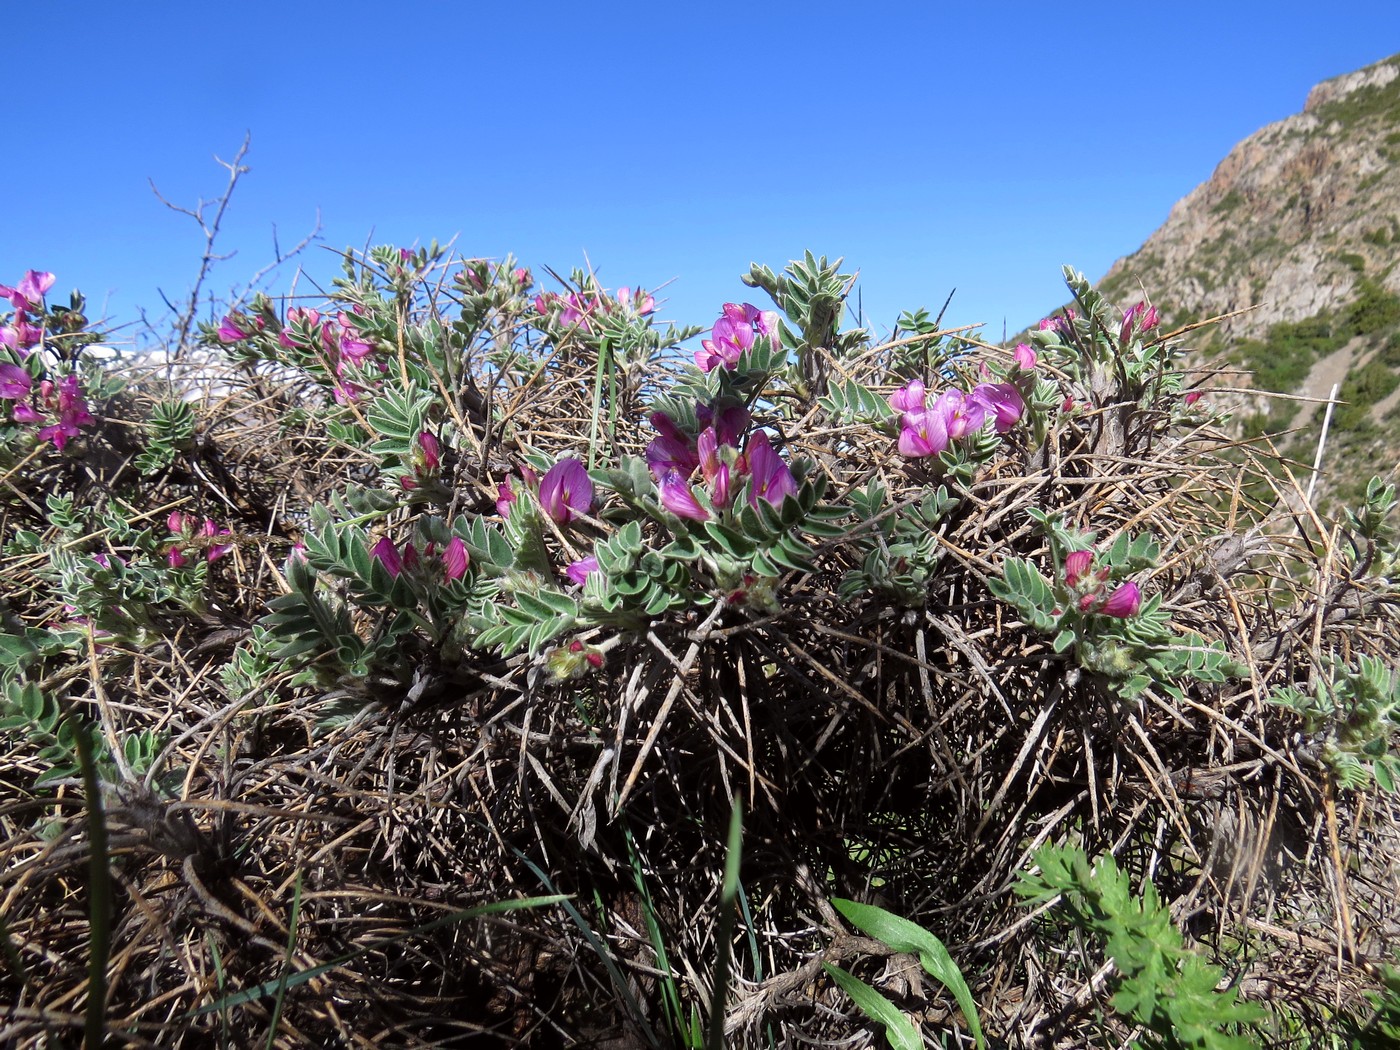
{"x": 976, "y": 146}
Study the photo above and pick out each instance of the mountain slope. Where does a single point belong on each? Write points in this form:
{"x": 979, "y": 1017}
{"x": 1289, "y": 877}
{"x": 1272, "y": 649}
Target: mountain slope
{"x": 1301, "y": 221}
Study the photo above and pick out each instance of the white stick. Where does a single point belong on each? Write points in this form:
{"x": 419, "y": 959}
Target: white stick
{"x": 1322, "y": 440}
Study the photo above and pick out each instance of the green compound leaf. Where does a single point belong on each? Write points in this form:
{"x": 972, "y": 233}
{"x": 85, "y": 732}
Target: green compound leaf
{"x": 1023, "y": 587}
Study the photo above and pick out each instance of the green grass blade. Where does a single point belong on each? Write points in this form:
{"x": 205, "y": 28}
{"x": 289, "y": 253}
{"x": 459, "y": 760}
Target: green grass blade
{"x": 729, "y": 889}
{"x": 905, "y": 936}
{"x": 898, "y": 1029}
{"x": 99, "y": 893}
{"x": 281, "y": 994}
{"x": 594, "y": 942}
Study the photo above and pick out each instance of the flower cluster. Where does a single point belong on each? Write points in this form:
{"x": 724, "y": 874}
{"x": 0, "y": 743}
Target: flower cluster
{"x": 63, "y": 402}
{"x": 479, "y": 274}
{"x": 1063, "y": 324}
{"x": 1140, "y": 318}
{"x": 426, "y": 457}
{"x": 565, "y": 491}
{"x": 740, "y": 325}
{"x": 674, "y": 457}
{"x": 576, "y": 310}
{"x": 927, "y": 430}
{"x": 1087, "y": 586}
{"x": 306, "y": 330}
{"x": 191, "y": 537}
{"x": 397, "y": 561}
{"x": 27, "y": 297}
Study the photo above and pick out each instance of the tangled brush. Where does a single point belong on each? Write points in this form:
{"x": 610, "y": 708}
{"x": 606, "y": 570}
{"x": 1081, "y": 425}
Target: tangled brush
{"x": 422, "y": 647}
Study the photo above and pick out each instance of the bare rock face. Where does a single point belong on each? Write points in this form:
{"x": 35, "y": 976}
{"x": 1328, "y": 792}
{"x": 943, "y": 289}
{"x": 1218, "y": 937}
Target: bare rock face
{"x": 1291, "y": 219}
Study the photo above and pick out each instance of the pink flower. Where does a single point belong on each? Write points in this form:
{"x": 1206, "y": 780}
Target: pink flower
{"x": 729, "y": 422}
{"x": 455, "y": 559}
{"x": 1002, "y": 400}
{"x": 909, "y": 398}
{"x": 175, "y": 559}
{"x": 575, "y": 312}
{"x": 15, "y": 382}
{"x": 672, "y": 450}
{"x": 1149, "y": 319}
{"x": 34, "y": 285}
{"x": 24, "y": 413}
{"x": 733, "y": 335}
{"x": 432, "y": 451}
{"x": 177, "y": 523}
{"x": 346, "y": 393}
{"x": 961, "y": 414}
{"x": 1024, "y": 357}
{"x": 209, "y": 530}
{"x": 578, "y": 570}
{"x": 298, "y": 319}
{"x": 566, "y": 491}
{"x": 764, "y": 322}
{"x": 1063, "y": 324}
{"x": 387, "y": 555}
{"x": 1190, "y": 398}
{"x": 645, "y": 304}
{"x": 677, "y": 497}
{"x": 1123, "y": 602}
{"x": 771, "y": 478}
{"x": 505, "y": 496}
{"x": 20, "y": 335}
{"x": 231, "y": 330}
{"x": 924, "y": 433}
{"x": 713, "y": 468}
{"x": 1077, "y": 564}
{"x": 30, "y": 290}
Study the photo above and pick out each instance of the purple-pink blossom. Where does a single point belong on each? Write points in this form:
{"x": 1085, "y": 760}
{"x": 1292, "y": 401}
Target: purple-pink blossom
{"x": 1141, "y": 317}
{"x": 1077, "y": 565}
{"x": 729, "y": 422}
{"x": 19, "y": 335}
{"x": 923, "y": 433}
{"x": 671, "y": 450}
{"x": 909, "y": 398}
{"x": 387, "y": 555}
{"x": 733, "y": 334}
{"x": 71, "y": 407}
{"x": 578, "y": 571}
{"x": 455, "y": 559}
{"x": 431, "y": 450}
{"x": 566, "y": 491}
{"x": 15, "y": 382}
{"x": 1002, "y": 401}
{"x": 962, "y": 415}
{"x": 640, "y": 302}
{"x": 1123, "y": 602}
{"x": 770, "y": 478}
{"x": 231, "y": 329}
{"x": 30, "y": 291}
{"x": 1024, "y": 357}
{"x": 678, "y": 497}
{"x": 209, "y": 530}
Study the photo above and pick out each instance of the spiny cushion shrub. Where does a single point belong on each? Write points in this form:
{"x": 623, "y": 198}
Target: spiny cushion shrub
{"x": 453, "y": 590}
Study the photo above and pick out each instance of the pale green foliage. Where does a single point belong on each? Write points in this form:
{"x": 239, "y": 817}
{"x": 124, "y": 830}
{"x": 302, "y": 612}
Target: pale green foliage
{"x": 1131, "y": 654}
{"x": 1162, "y": 985}
{"x": 1354, "y": 714}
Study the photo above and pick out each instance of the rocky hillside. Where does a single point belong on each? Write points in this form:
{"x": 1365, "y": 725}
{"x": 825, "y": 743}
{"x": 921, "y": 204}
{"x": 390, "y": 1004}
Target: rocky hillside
{"x": 1302, "y": 222}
